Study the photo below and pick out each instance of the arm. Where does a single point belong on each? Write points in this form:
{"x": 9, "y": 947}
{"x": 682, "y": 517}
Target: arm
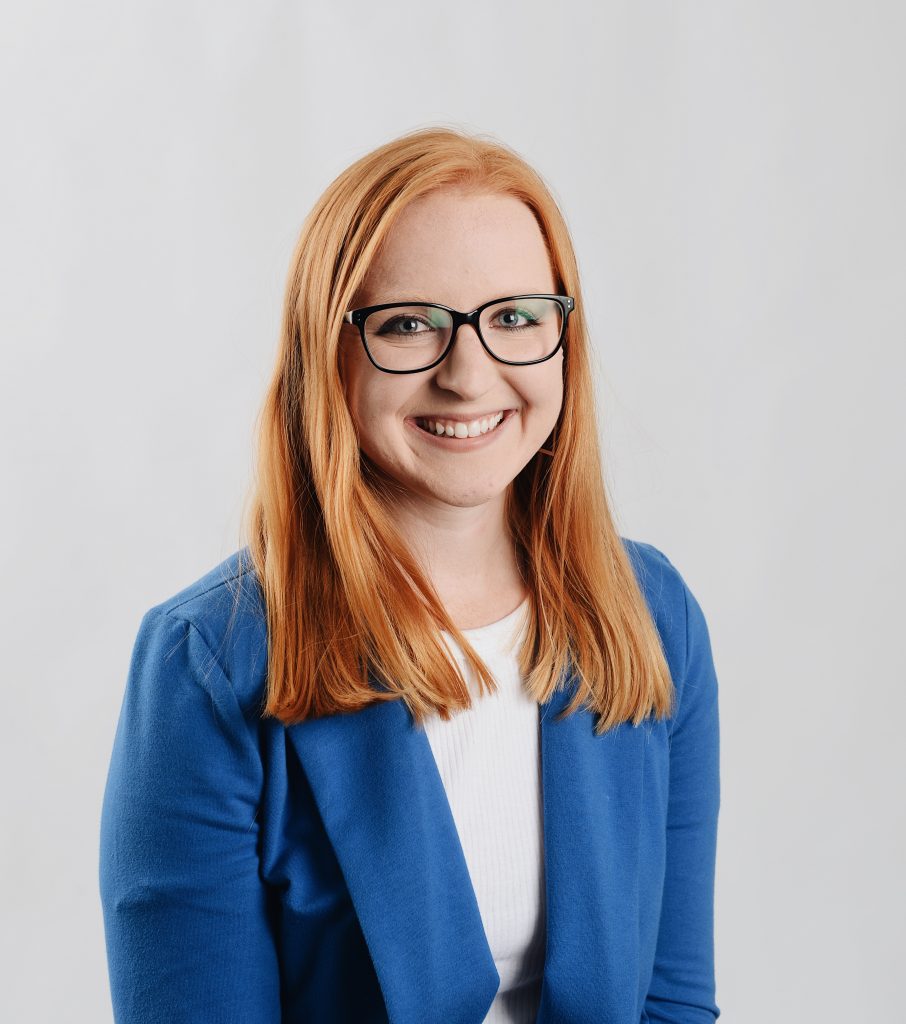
{"x": 184, "y": 907}
{"x": 682, "y": 989}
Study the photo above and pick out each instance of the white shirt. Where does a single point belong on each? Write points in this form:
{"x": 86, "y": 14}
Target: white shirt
{"x": 488, "y": 758}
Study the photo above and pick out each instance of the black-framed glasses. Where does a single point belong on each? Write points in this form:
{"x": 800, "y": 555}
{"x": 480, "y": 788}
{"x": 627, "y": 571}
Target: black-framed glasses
{"x": 408, "y": 337}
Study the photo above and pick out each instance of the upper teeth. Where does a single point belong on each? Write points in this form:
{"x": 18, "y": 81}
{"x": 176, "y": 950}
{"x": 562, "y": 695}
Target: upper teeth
{"x": 456, "y": 428}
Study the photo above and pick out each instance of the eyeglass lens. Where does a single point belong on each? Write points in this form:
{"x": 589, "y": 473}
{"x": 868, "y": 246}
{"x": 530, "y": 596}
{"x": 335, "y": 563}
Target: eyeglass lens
{"x": 411, "y": 337}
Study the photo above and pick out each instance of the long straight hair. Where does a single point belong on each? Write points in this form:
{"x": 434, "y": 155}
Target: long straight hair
{"x": 345, "y": 600}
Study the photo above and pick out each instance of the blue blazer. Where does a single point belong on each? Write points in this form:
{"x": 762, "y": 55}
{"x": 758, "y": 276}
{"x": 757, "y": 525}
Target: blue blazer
{"x": 259, "y": 873}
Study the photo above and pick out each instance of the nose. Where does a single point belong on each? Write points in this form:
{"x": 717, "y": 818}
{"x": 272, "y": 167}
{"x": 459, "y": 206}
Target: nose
{"x": 468, "y": 368}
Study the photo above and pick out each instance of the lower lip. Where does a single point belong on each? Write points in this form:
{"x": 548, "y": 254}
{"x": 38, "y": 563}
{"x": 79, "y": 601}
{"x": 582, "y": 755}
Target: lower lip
{"x": 463, "y": 444}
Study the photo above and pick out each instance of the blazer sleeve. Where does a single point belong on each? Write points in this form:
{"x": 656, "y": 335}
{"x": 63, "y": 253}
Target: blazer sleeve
{"x": 185, "y": 911}
{"x": 682, "y": 988}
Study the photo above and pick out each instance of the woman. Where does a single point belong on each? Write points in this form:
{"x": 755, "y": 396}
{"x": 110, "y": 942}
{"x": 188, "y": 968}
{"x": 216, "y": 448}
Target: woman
{"x": 437, "y": 745}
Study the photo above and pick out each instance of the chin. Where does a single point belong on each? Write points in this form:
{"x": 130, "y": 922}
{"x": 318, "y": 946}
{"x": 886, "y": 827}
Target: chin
{"x": 467, "y": 498}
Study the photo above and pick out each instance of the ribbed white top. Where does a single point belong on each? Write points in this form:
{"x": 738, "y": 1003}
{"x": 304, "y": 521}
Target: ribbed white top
{"x": 488, "y": 758}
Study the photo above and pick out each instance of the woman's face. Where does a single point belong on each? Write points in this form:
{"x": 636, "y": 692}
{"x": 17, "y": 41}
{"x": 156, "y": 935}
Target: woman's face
{"x": 460, "y": 250}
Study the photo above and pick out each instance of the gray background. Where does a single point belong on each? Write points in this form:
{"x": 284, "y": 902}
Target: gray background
{"x": 733, "y": 177}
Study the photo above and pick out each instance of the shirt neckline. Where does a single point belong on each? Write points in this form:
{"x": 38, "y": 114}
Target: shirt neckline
{"x": 493, "y": 629}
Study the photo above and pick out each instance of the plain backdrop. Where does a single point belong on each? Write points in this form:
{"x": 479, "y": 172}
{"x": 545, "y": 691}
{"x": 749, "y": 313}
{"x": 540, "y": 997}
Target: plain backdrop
{"x": 733, "y": 177}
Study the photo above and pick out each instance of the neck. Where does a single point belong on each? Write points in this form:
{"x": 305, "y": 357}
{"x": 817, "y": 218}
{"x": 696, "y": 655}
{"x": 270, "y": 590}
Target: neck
{"x": 469, "y": 556}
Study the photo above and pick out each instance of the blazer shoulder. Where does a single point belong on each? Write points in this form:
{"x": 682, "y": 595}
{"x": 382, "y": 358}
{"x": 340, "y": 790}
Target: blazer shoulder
{"x": 226, "y": 606}
{"x": 668, "y": 598}
{"x": 658, "y": 577}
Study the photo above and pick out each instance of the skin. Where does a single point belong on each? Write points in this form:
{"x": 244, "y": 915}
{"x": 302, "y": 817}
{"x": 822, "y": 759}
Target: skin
{"x": 459, "y": 249}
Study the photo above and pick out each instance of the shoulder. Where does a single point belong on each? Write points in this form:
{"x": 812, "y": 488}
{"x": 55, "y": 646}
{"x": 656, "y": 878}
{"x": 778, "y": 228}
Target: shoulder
{"x": 225, "y": 610}
{"x": 674, "y": 608}
{"x": 660, "y": 581}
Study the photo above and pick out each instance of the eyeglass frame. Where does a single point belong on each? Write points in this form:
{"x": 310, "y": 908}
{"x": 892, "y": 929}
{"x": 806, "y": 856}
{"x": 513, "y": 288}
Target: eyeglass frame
{"x": 357, "y": 318}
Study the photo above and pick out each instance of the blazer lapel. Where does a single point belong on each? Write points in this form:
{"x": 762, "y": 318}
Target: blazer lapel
{"x": 592, "y": 797}
{"x": 385, "y": 810}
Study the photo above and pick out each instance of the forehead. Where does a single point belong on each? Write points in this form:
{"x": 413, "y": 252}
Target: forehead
{"x": 460, "y": 248}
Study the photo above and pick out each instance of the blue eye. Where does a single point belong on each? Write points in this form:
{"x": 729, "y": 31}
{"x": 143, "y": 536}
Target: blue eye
{"x": 531, "y": 320}
{"x": 394, "y": 324}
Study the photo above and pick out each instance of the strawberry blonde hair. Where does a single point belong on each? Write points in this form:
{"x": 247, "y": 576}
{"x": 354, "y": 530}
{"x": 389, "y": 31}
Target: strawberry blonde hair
{"x": 344, "y": 598}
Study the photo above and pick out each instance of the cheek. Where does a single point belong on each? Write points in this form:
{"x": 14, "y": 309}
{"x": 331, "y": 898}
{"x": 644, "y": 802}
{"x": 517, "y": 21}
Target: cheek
{"x": 375, "y": 404}
{"x": 361, "y": 396}
{"x": 546, "y": 393}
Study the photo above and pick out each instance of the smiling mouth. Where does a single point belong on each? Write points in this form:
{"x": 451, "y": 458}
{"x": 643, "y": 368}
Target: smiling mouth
{"x": 460, "y": 429}
{"x": 454, "y": 432}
